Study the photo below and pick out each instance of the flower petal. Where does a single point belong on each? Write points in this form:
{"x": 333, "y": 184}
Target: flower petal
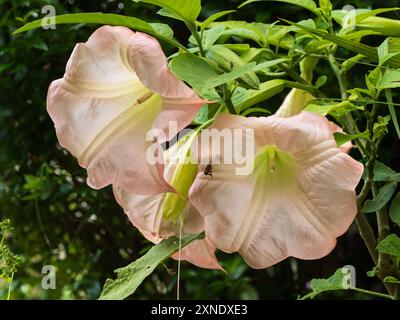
{"x": 294, "y": 103}
{"x": 180, "y": 103}
{"x": 298, "y": 209}
{"x": 200, "y": 253}
{"x": 145, "y": 214}
{"x": 104, "y": 107}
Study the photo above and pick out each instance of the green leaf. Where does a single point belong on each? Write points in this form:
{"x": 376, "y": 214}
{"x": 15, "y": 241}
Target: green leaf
{"x": 351, "y": 62}
{"x": 252, "y": 97}
{"x": 385, "y": 26}
{"x": 389, "y": 80}
{"x": 307, "y": 4}
{"x": 239, "y": 72}
{"x": 335, "y": 109}
{"x": 384, "y": 54}
{"x": 383, "y": 173}
{"x": 372, "y": 273}
{"x": 392, "y": 111}
{"x": 380, "y": 127}
{"x": 206, "y": 113}
{"x": 371, "y": 13}
{"x": 391, "y": 279}
{"x": 321, "y": 81}
{"x": 342, "y": 138}
{"x": 383, "y": 197}
{"x": 326, "y": 7}
{"x": 230, "y": 76}
{"x": 394, "y": 212}
{"x": 185, "y": 10}
{"x": 264, "y": 34}
{"x": 209, "y": 37}
{"x": 228, "y": 60}
{"x": 212, "y": 35}
{"x": 192, "y": 69}
{"x": 130, "y": 277}
{"x": 215, "y": 17}
{"x": 195, "y": 71}
{"x": 368, "y": 51}
{"x": 390, "y": 245}
{"x": 106, "y": 19}
{"x": 163, "y": 30}
{"x": 335, "y": 282}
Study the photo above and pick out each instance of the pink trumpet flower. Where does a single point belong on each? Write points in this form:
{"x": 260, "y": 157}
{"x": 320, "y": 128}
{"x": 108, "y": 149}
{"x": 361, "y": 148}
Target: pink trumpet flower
{"x": 171, "y": 214}
{"x": 117, "y": 86}
{"x": 299, "y": 197}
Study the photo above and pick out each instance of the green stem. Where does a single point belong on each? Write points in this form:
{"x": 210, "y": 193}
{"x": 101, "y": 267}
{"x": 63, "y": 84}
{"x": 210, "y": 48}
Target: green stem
{"x": 41, "y": 227}
{"x": 293, "y": 74}
{"x": 373, "y": 293}
{"x": 9, "y": 287}
{"x": 228, "y": 99}
{"x": 198, "y": 38}
{"x": 385, "y": 269}
{"x": 367, "y": 234}
{"x": 363, "y": 225}
{"x": 397, "y": 292}
{"x": 349, "y": 123}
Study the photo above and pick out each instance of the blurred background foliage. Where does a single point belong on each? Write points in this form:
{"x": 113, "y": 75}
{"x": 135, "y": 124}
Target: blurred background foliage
{"x": 59, "y": 221}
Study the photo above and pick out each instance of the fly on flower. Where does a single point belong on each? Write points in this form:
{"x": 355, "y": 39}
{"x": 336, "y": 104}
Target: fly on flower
{"x": 297, "y": 200}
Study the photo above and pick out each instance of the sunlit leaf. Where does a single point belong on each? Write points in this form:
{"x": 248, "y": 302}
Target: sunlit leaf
{"x": 368, "y": 51}
{"x": 307, "y": 4}
{"x": 252, "y": 97}
{"x": 105, "y": 19}
{"x": 186, "y": 10}
{"x": 342, "y": 138}
{"x": 193, "y": 70}
{"x": 215, "y": 17}
{"x": 335, "y": 282}
{"x": 130, "y": 277}
{"x": 335, "y": 109}
{"x": 230, "y": 76}
{"x": 389, "y": 80}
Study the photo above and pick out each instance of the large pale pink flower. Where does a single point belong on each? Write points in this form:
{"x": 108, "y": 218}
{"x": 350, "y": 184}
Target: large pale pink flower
{"x": 116, "y": 88}
{"x": 298, "y": 199}
{"x": 171, "y": 214}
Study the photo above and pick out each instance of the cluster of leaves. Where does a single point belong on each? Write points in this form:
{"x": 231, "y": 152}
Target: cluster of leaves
{"x": 9, "y": 261}
{"x": 246, "y": 67}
